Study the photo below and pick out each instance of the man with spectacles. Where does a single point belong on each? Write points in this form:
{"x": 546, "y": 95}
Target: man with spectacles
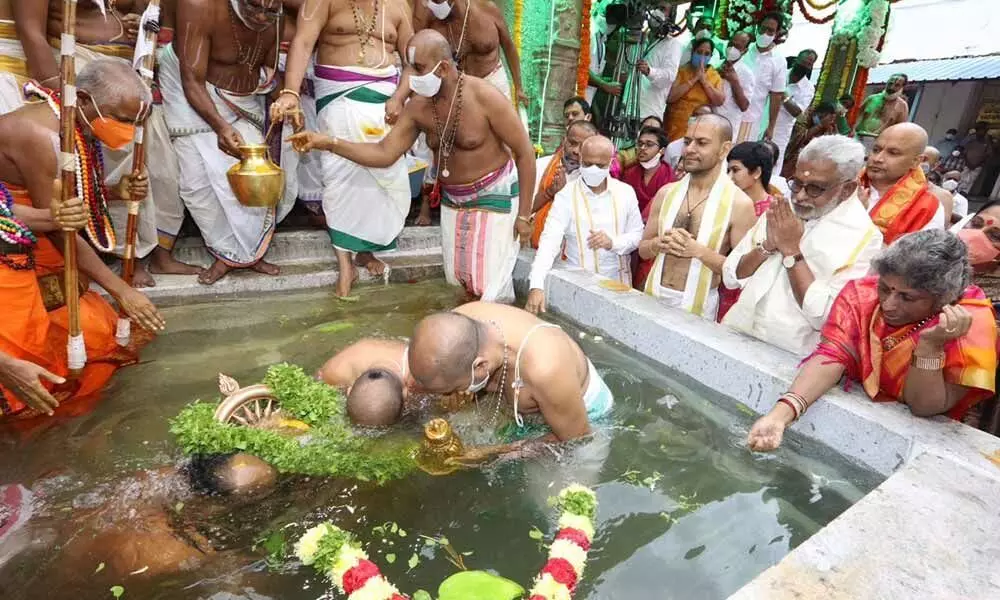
{"x": 799, "y": 255}
{"x": 111, "y": 34}
{"x": 894, "y": 187}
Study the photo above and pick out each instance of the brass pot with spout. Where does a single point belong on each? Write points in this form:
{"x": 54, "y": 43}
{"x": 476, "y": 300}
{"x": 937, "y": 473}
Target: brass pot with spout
{"x": 256, "y": 180}
{"x": 440, "y": 447}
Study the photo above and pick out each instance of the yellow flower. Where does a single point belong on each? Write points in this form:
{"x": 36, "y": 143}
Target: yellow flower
{"x": 308, "y": 544}
{"x": 547, "y": 588}
{"x": 573, "y": 554}
{"x": 347, "y": 559}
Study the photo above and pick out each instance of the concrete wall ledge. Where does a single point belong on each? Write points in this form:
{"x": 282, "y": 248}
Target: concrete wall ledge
{"x": 929, "y": 531}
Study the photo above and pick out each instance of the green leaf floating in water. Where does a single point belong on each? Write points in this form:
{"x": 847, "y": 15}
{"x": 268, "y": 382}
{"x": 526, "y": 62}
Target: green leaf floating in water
{"x": 333, "y": 326}
{"x": 328, "y": 448}
{"x": 479, "y": 585}
{"x": 422, "y": 595}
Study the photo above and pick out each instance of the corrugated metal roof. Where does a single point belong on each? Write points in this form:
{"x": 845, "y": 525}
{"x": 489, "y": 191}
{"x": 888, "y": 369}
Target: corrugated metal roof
{"x": 942, "y": 69}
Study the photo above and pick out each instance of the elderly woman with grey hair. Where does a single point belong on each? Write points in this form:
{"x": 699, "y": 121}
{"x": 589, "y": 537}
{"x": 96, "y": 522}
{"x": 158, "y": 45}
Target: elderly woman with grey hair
{"x": 916, "y": 332}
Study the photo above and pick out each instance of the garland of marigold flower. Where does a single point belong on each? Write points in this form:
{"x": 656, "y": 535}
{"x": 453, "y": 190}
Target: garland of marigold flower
{"x": 90, "y": 185}
{"x": 583, "y": 64}
{"x": 814, "y": 19}
{"x": 568, "y": 553}
{"x": 518, "y": 23}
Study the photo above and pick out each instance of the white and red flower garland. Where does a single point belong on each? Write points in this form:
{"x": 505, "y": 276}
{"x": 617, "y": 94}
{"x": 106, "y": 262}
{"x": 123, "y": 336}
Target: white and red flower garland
{"x": 568, "y": 554}
{"x": 335, "y": 553}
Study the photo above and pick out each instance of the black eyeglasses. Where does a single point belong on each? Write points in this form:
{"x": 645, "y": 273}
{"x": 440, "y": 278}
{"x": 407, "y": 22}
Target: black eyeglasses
{"x": 643, "y": 145}
{"x": 812, "y": 190}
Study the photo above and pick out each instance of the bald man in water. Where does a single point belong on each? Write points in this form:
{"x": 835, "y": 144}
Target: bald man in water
{"x": 528, "y": 365}
{"x": 894, "y": 187}
{"x": 485, "y": 192}
{"x": 694, "y": 223}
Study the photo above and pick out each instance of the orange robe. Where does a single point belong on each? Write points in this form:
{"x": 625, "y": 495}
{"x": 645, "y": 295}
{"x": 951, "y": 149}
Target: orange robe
{"x": 907, "y": 207}
{"x": 29, "y": 332}
{"x": 553, "y": 169}
{"x": 856, "y": 336}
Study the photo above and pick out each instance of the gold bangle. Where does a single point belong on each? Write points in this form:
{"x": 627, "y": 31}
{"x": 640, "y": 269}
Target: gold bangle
{"x": 290, "y": 91}
{"x": 527, "y": 220}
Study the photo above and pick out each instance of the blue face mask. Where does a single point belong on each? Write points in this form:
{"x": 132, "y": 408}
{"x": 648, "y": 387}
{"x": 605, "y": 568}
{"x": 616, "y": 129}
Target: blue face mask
{"x": 699, "y": 60}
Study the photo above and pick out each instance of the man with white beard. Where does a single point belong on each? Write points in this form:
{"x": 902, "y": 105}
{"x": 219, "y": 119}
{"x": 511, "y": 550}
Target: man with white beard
{"x": 799, "y": 255}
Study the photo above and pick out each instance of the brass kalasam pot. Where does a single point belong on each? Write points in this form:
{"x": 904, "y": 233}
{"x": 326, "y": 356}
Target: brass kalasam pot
{"x": 256, "y": 180}
{"x": 439, "y": 448}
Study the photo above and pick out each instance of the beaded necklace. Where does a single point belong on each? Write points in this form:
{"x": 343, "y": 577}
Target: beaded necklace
{"x": 364, "y": 30}
{"x": 13, "y": 231}
{"x": 89, "y": 176}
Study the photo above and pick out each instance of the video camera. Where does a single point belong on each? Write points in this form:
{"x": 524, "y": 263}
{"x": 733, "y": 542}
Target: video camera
{"x": 632, "y": 14}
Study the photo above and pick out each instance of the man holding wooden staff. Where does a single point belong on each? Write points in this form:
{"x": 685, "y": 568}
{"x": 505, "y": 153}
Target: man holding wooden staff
{"x": 110, "y": 99}
{"x": 112, "y": 32}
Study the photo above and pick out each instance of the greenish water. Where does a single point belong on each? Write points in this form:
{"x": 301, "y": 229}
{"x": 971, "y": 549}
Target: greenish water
{"x": 685, "y": 510}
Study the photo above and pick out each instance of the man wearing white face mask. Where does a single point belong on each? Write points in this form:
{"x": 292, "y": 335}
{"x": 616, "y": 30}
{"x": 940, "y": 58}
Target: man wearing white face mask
{"x": 477, "y": 31}
{"x": 703, "y": 29}
{"x": 737, "y": 85}
{"x": 473, "y": 130}
{"x": 960, "y": 211}
{"x": 596, "y": 217}
{"x": 770, "y": 75}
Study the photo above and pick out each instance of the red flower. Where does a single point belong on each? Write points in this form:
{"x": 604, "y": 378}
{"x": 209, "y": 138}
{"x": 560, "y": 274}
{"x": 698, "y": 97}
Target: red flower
{"x": 399, "y": 597}
{"x": 538, "y": 597}
{"x": 358, "y": 576}
{"x": 561, "y": 571}
{"x": 574, "y": 535}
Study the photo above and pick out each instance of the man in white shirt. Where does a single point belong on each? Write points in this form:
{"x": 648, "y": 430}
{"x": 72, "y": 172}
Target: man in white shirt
{"x": 658, "y": 68}
{"x": 594, "y": 221}
{"x": 798, "y": 96}
{"x": 798, "y": 256}
{"x": 737, "y": 81}
{"x": 949, "y": 183}
{"x": 769, "y": 83}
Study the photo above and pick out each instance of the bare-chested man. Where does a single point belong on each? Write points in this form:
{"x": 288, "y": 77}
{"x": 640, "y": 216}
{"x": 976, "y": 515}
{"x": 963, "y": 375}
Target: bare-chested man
{"x": 214, "y": 77}
{"x": 35, "y": 319}
{"x": 476, "y": 31}
{"x": 695, "y": 222}
{"x": 161, "y": 214}
{"x": 469, "y": 127}
{"x": 530, "y": 365}
{"x": 370, "y": 353}
{"x": 359, "y": 89}
{"x": 883, "y": 110}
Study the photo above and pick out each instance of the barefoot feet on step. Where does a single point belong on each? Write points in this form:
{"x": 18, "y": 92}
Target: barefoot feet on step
{"x": 346, "y": 280}
{"x": 266, "y": 268}
{"x": 141, "y": 277}
{"x": 162, "y": 262}
{"x": 214, "y": 273}
{"x": 368, "y": 261}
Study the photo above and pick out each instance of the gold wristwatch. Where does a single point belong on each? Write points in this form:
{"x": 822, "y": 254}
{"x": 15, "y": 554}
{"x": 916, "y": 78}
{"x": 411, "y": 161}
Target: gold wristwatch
{"x": 925, "y": 363}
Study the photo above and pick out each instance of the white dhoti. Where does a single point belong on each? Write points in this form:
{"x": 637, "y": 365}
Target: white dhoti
{"x": 162, "y": 209}
{"x": 13, "y": 69}
{"x": 311, "y": 164}
{"x": 498, "y": 79}
{"x": 477, "y": 234}
{"x": 235, "y": 234}
{"x": 365, "y": 208}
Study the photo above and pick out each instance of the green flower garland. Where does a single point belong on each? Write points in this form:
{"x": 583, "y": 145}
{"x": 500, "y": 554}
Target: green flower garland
{"x": 329, "y": 448}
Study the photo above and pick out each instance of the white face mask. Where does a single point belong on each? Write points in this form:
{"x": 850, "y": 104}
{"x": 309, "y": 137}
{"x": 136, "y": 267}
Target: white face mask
{"x": 733, "y": 54}
{"x": 475, "y": 387}
{"x": 651, "y": 163}
{"x": 426, "y": 85}
{"x": 764, "y": 40}
{"x": 951, "y": 185}
{"x": 439, "y": 10}
{"x": 594, "y": 175}
{"x": 703, "y": 34}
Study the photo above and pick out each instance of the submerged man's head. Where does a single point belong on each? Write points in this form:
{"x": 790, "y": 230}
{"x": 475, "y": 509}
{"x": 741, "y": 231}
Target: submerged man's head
{"x": 375, "y": 399}
{"x": 231, "y": 474}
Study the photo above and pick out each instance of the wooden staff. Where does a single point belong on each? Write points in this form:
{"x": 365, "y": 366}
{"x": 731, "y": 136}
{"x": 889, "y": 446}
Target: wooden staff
{"x": 76, "y": 350}
{"x": 123, "y": 333}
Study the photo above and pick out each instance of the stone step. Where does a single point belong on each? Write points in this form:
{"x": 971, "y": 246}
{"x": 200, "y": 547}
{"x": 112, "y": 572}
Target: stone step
{"x": 304, "y": 247}
{"x": 403, "y": 267}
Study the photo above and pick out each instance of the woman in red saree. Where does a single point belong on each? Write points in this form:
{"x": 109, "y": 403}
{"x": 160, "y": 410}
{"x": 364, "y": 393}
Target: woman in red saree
{"x": 916, "y": 333}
